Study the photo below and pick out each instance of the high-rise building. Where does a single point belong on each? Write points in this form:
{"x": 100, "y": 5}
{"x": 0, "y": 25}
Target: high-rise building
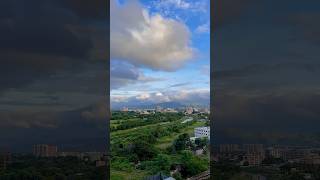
{"x": 45, "y": 150}
{"x": 189, "y": 110}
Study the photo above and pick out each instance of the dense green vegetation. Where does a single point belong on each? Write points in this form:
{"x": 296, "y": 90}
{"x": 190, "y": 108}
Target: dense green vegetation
{"x": 62, "y": 168}
{"x": 155, "y": 143}
{"x": 225, "y": 170}
{"x": 136, "y": 120}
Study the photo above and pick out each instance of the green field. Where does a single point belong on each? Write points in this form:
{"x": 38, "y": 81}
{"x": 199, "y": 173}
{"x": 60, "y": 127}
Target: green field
{"x": 129, "y": 175}
{"x": 153, "y": 143}
{"x": 166, "y": 141}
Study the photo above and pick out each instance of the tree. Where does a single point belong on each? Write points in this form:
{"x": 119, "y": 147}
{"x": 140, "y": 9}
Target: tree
{"x": 182, "y": 142}
{"x": 192, "y": 165}
{"x": 177, "y": 176}
{"x": 201, "y": 142}
{"x": 162, "y": 163}
{"x": 144, "y": 151}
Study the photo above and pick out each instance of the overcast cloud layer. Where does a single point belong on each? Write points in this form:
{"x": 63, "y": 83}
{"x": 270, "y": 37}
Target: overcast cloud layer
{"x": 53, "y": 58}
{"x": 266, "y": 72}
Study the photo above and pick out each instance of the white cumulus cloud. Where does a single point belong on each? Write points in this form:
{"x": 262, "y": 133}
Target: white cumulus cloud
{"x": 204, "y": 28}
{"x": 199, "y": 96}
{"x": 148, "y": 40}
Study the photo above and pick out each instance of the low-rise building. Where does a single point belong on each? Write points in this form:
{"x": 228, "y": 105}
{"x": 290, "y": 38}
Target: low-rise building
{"x": 229, "y": 148}
{"x": 125, "y": 109}
{"x": 275, "y": 152}
{"x": 254, "y": 159}
{"x": 158, "y": 109}
{"x": 70, "y": 154}
{"x": 94, "y": 156}
{"x": 100, "y": 163}
{"x": 200, "y": 132}
{"x": 254, "y": 148}
{"x": 313, "y": 159}
{"x": 159, "y": 176}
{"x": 144, "y": 112}
{"x": 170, "y": 110}
{"x": 292, "y": 154}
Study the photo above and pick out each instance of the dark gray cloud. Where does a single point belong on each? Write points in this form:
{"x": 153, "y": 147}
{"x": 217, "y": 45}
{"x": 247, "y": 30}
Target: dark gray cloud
{"x": 125, "y": 71}
{"x": 94, "y": 9}
{"x": 53, "y": 69}
{"x": 38, "y": 38}
{"x": 254, "y": 69}
{"x": 228, "y": 11}
{"x": 41, "y": 27}
{"x": 306, "y": 26}
{"x": 80, "y": 129}
{"x": 265, "y": 75}
{"x": 288, "y": 113}
{"x": 123, "y": 74}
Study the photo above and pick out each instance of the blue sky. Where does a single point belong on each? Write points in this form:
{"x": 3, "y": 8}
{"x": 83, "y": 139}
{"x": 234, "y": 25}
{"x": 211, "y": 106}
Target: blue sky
{"x": 160, "y": 51}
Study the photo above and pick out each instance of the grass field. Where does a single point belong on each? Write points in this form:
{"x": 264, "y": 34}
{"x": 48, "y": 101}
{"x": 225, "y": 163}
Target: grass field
{"x": 131, "y": 175}
{"x": 166, "y": 141}
{"x": 129, "y": 172}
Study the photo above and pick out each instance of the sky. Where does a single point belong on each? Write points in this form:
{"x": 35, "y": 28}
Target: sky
{"x": 266, "y": 71}
{"x": 160, "y": 52}
{"x": 53, "y": 74}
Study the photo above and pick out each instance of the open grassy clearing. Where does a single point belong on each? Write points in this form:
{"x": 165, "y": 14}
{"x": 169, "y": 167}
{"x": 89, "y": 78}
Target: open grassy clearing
{"x": 122, "y": 121}
{"x": 166, "y": 141}
{"x": 127, "y": 134}
{"x": 130, "y": 175}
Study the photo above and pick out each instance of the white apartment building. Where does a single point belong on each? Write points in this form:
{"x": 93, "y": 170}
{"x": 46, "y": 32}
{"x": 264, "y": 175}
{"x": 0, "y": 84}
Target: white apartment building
{"x": 202, "y": 132}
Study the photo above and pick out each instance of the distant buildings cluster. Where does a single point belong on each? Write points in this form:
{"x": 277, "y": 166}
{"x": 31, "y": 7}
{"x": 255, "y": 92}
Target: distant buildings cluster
{"x": 194, "y": 110}
{"x": 255, "y": 154}
{"x": 5, "y": 159}
{"x": 186, "y": 110}
{"x": 150, "y": 111}
{"x": 51, "y": 151}
{"x": 45, "y": 150}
